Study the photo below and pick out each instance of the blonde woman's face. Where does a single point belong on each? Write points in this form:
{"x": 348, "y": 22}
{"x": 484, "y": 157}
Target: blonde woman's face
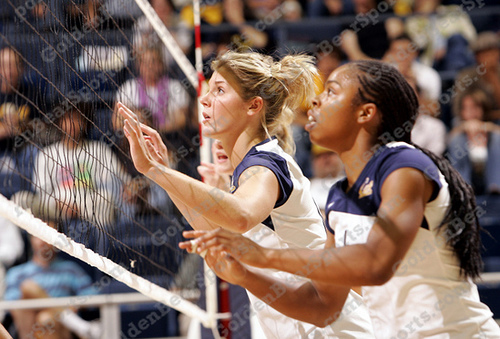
{"x": 224, "y": 110}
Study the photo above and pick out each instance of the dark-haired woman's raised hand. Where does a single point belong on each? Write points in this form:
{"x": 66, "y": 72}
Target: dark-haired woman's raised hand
{"x": 224, "y": 242}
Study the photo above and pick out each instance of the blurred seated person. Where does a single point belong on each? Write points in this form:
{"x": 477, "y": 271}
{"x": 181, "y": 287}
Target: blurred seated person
{"x": 87, "y": 15}
{"x": 145, "y": 37}
{"x": 218, "y": 174}
{"x": 44, "y": 15}
{"x": 15, "y": 107}
{"x": 124, "y": 12}
{"x": 45, "y": 276}
{"x": 242, "y": 13}
{"x": 428, "y": 131}
{"x": 443, "y": 33}
{"x": 78, "y": 178}
{"x": 403, "y": 54}
{"x": 474, "y": 142}
{"x": 486, "y": 72}
{"x": 327, "y": 170}
{"x": 326, "y": 8}
{"x": 141, "y": 195}
{"x": 166, "y": 98}
{"x": 368, "y": 35}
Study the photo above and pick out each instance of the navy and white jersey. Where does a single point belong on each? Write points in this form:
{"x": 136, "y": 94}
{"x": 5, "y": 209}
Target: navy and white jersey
{"x": 426, "y": 297}
{"x": 295, "y": 217}
{"x": 295, "y": 222}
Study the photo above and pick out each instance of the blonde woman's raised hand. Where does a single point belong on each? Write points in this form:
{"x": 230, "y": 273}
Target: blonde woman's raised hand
{"x": 139, "y": 150}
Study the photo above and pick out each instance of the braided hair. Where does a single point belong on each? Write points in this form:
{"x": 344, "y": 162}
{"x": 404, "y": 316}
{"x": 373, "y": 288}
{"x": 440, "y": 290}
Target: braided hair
{"x": 381, "y": 84}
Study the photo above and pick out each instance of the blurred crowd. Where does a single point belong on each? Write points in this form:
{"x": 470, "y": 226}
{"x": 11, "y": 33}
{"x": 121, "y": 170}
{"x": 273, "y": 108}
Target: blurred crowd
{"x": 62, "y": 150}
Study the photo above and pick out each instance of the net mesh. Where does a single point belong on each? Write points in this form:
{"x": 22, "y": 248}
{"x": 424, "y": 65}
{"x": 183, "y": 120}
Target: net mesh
{"x": 63, "y": 67}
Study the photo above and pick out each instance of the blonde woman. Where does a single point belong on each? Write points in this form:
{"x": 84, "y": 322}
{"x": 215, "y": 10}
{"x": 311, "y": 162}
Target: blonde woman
{"x": 249, "y": 108}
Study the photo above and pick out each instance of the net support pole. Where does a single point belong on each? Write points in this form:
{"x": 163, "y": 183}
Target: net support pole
{"x": 205, "y": 155}
{"x": 169, "y": 41}
{"x": 197, "y": 80}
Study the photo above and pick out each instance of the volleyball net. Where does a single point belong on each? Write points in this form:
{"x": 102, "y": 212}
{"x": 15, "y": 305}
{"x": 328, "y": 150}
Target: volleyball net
{"x": 65, "y": 162}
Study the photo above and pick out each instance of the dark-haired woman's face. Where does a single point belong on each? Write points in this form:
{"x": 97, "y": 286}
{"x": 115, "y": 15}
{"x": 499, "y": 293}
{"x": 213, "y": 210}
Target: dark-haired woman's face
{"x": 332, "y": 120}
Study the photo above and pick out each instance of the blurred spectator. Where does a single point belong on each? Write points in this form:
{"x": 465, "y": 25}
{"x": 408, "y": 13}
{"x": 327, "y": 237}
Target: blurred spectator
{"x": 88, "y": 15}
{"x": 442, "y": 33}
{"x": 403, "y": 54}
{"x": 124, "y": 12}
{"x": 474, "y": 143}
{"x": 486, "y": 73}
{"x": 327, "y": 60}
{"x": 428, "y": 131}
{"x": 265, "y": 13}
{"x": 145, "y": 37}
{"x": 327, "y": 170}
{"x": 77, "y": 178}
{"x": 368, "y": 36}
{"x": 217, "y": 174}
{"x": 325, "y": 8}
{"x": 44, "y": 276}
{"x": 166, "y": 98}
{"x": 15, "y": 107}
{"x": 43, "y": 15}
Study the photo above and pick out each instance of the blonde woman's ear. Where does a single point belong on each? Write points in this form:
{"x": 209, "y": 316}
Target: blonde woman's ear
{"x": 256, "y": 105}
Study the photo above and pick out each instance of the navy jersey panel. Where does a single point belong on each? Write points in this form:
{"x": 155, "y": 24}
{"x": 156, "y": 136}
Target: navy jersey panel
{"x": 272, "y": 161}
{"x": 364, "y": 196}
{"x": 276, "y": 164}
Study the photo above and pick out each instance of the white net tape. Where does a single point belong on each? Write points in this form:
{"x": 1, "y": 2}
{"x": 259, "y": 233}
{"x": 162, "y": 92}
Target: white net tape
{"x": 38, "y": 228}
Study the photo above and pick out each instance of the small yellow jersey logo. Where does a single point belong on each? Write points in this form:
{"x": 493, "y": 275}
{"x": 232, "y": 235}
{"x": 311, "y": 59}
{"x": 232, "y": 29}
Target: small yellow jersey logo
{"x": 366, "y": 189}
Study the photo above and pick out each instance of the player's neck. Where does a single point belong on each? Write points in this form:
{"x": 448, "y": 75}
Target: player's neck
{"x": 239, "y": 148}
{"x": 356, "y": 158}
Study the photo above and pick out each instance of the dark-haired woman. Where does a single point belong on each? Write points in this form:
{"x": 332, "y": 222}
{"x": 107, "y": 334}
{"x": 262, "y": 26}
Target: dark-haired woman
{"x": 402, "y": 224}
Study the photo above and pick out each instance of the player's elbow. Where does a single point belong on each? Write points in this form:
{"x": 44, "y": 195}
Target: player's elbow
{"x": 378, "y": 275}
{"x": 243, "y": 223}
{"x": 324, "y": 321}
{"x": 325, "y": 317}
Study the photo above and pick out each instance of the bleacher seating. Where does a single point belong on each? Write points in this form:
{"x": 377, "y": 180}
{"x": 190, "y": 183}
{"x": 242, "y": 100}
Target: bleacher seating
{"x": 490, "y": 221}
